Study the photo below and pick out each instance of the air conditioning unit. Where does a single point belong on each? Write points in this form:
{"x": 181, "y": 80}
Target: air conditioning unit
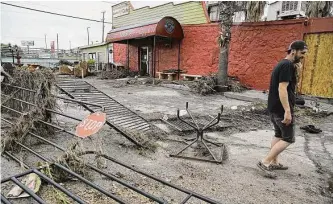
{"x": 291, "y": 9}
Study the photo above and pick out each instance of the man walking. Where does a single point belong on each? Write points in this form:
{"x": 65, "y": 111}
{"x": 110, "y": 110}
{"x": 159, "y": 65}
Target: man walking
{"x": 281, "y": 102}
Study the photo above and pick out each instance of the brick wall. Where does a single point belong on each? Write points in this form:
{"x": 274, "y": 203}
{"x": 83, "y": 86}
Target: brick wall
{"x": 199, "y": 51}
{"x": 120, "y": 55}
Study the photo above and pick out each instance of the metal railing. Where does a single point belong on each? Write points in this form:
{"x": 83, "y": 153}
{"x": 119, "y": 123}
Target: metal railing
{"x": 14, "y": 178}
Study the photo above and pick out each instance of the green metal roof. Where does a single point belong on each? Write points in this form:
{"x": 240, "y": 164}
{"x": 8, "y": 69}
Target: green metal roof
{"x": 185, "y": 13}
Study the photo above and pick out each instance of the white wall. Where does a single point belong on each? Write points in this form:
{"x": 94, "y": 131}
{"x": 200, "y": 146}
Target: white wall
{"x": 272, "y": 11}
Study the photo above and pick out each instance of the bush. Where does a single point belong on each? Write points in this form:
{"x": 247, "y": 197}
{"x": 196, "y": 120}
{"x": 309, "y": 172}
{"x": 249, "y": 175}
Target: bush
{"x": 64, "y": 62}
{"x": 91, "y": 62}
{"x": 205, "y": 85}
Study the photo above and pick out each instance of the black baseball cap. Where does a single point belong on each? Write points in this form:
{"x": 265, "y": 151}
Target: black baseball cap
{"x": 298, "y": 45}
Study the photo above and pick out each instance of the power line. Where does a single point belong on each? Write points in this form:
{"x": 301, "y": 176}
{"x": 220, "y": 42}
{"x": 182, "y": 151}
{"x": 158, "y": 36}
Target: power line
{"x": 54, "y": 13}
{"x": 33, "y": 3}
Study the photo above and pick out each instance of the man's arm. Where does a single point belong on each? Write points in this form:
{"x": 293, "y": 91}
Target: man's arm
{"x": 283, "y": 95}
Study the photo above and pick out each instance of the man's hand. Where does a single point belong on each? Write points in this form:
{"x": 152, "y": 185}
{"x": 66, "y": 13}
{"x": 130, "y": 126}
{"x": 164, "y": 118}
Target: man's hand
{"x": 299, "y": 67}
{"x": 287, "y": 118}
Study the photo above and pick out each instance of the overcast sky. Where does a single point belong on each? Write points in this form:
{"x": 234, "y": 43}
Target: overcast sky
{"x": 20, "y": 24}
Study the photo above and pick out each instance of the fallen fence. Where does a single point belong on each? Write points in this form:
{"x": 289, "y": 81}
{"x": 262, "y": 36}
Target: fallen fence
{"x": 14, "y": 178}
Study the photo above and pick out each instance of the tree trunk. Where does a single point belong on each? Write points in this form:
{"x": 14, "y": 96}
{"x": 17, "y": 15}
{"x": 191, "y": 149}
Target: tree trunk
{"x": 222, "y": 78}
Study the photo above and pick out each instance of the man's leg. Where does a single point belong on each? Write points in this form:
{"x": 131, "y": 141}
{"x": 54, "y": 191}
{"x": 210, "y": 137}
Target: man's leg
{"x": 275, "y": 151}
{"x": 274, "y": 141}
{"x": 278, "y": 144}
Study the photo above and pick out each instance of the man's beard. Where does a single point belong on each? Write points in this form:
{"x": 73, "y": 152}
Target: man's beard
{"x": 297, "y": 59}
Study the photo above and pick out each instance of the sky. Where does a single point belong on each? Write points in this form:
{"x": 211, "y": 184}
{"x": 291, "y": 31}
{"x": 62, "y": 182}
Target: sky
{"x": 19, "y": 24}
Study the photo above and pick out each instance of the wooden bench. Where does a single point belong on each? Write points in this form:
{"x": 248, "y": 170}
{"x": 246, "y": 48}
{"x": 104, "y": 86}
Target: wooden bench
{"x": 169, "y": 76}
{"x": 189, "y": 77}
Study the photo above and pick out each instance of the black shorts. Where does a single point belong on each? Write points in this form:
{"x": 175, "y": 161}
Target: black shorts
{"x": 286, "y": 133}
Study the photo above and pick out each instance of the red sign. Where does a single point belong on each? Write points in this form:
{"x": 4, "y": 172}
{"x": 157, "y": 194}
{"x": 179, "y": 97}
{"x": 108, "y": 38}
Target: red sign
{"x": 52, "y": 46}
{"x": 91, "y": 124}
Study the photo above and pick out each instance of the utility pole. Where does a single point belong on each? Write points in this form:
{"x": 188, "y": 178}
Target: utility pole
{"x": 70, "y": 45}
{"x": 45, "y": 42}
{"x": 103, "y": 12}
{"x": 88, "y": 34}
{"x": 57, "y": 46}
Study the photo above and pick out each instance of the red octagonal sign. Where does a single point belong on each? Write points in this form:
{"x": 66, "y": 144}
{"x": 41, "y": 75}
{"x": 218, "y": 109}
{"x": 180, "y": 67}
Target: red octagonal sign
{"x": 91, "y": 124}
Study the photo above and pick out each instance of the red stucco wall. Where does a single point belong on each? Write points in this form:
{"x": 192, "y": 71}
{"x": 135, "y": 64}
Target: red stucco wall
{"x": 257, "y": 47}
{"x": 199, "y": 51}
{"x": 255, "y": 50}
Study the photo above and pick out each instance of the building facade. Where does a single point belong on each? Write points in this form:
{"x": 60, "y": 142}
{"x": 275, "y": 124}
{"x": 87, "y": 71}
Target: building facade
{"x": 98, "y": 52}
{"x": 181, "y": 38}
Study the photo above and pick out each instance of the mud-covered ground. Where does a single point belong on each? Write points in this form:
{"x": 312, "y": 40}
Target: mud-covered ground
{"x": 246, "y": 134}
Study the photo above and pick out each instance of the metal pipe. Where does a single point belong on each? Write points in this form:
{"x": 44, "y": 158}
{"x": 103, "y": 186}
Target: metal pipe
{"x": 184, "y": 120}
{"x": 50, "y": 181}
{"x": 41, "y": 121}
{"x": 127, "y": 185}
{"x": 28, "y": 190}
{"x": 64, "y": 190}
{"x": 74, "y": 174}
{"x": 47, "y": 109}
{"x": 192, "y": 118}
{"x": 179, "y": 59}
{"x": 59, "y": 128}
{"x": 154, "y": 57}
{"x": 60, "y": 97}
{"x": 184, "y": 148}
{"x": 39, "y": 137}
{"x": 127, "y": 54}
{"x": 209, "y": 124}
{"x": 101, "y": 172}
{"x": 162, "y": 181}
{"x": 186, "y": 199}
{"x": 33, "y": 91}
{"x": 18, "y": 112}
{"x": 16, "y": 159}
{"x": 4, "y": 200}
{"x": 17, "y": 176}
{"x": 210, "y": 152}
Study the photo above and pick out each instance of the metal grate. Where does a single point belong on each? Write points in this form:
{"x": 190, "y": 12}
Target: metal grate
{"x": 117, "y": 114}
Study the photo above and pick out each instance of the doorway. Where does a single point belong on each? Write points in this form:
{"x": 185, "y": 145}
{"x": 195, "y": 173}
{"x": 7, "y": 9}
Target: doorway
{"x": 144, "y": 61}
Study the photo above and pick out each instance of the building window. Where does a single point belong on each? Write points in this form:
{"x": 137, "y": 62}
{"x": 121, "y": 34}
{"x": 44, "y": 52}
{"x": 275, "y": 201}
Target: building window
{"x": 214, "y": 13}
{"x": 289, "y": 6}
{"x": 92, "y": 56}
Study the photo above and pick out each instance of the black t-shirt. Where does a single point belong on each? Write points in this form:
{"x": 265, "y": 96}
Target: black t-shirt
{"x": 284, "y": 71}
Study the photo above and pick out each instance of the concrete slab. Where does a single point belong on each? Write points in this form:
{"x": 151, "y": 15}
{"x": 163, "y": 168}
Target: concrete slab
{"x": 175, "y": 86}
{"x": 250, "y": 95}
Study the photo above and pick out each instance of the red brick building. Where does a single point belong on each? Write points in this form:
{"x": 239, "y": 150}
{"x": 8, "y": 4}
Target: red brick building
{"x": 186, "y": 40}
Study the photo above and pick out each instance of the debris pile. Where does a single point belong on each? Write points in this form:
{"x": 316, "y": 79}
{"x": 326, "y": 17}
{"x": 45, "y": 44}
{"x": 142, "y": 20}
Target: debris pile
{"x": 71, "y": 159}
{"x": 114, "y": 74}
{"x": 234, "y": 85}
{"x": 81, "y": 69}
{"x": 41, "y": 81}
{"x": 205, "y": 85}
